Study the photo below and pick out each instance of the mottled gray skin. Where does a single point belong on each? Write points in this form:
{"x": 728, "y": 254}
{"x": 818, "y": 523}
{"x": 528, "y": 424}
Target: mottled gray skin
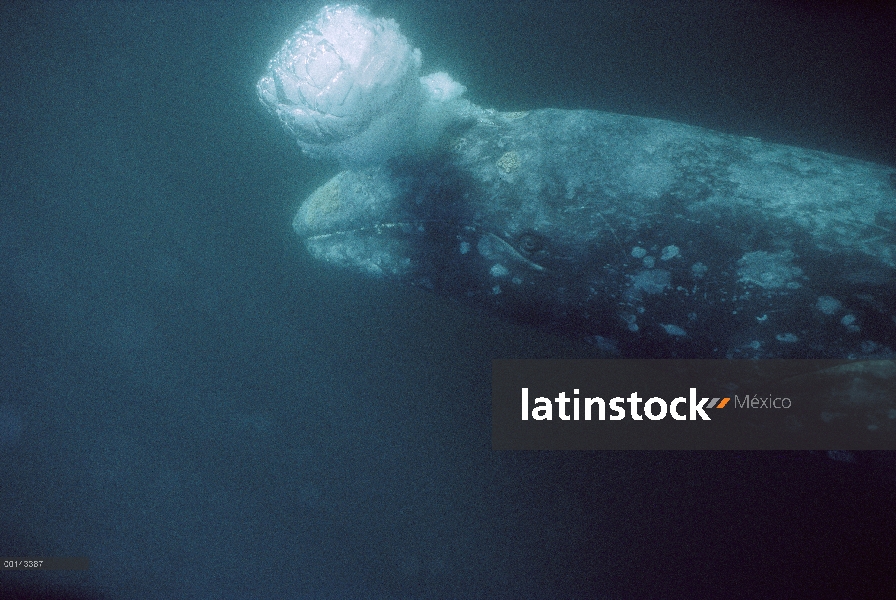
{"x": 651, "y": 238}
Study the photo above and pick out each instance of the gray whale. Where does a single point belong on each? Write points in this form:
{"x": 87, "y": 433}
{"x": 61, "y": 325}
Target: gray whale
{"x": 651, "y": 238}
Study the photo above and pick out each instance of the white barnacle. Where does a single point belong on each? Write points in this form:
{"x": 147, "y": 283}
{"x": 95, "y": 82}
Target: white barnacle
{"x": 849, "y": 321}
{"x": 669, "y": 252}
{"x": 674, "y": 330}
{"x": 828, "y": 305}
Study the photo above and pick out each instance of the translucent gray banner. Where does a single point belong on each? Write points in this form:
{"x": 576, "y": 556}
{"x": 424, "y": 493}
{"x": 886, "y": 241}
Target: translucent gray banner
{"x": 693, "y": 405}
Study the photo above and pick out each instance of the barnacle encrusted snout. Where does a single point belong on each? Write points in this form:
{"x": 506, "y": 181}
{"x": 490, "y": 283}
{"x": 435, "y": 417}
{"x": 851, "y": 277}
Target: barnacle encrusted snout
{"x": 342, "y": 75}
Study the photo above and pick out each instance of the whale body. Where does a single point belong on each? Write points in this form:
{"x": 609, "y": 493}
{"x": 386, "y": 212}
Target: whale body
{"x": 653, "y": 239}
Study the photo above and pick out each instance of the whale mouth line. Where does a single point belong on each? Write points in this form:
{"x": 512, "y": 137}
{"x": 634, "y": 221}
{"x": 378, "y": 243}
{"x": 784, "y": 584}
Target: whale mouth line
{"x": 420, "y": 227}
{"x": 375, "y": 229}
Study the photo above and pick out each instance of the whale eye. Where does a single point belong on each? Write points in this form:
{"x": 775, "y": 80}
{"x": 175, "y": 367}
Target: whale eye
{"x": 530, "y": 242}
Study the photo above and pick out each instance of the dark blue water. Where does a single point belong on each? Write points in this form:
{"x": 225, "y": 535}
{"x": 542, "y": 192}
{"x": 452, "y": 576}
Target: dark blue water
{"x": 203, "y": 411}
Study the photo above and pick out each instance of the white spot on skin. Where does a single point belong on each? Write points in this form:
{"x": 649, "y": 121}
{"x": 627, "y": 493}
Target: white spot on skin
{"x": 639, "y": 252}
{"x": 849, "y": 321}
{"x": 606, "y": 345}
{"x": 699, "y": 270}
{"x": 487, "y": 248}
{"x": 828, "y": 305}
{"x": 787, "y": 338}
{"x": 499, "y": 271}
{"x": 769, "y": 270}
{"x": 869, "y": 346}
{"x": 652, "y": 282}
{"x": 669, "y": 252}
{"x": 464, "y": 247}
{"x": 649, "y": 261}
{"x": 496, "y": 290}
{"x": 674, "y": 330}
